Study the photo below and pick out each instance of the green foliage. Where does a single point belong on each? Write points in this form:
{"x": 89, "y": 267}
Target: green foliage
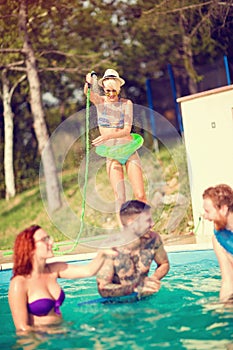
{"x": 180, "y": 32}
{"x": 73, "y": 37}
{"x": 2, "y": 186}
{"x": 27, "y": 208}
{"x": 20, "y": 212}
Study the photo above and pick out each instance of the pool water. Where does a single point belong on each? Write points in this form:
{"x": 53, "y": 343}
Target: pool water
{"x": 184, "y": 314}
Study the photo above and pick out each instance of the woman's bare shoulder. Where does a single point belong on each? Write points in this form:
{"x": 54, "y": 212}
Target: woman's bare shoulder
{"x": 18, "y": 281}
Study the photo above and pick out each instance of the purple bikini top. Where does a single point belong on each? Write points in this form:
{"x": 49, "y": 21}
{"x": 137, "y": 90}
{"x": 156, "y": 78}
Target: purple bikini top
{"x": 42, "y": 307}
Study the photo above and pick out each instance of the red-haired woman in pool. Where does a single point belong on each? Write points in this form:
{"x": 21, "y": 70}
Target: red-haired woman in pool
{"x": 115, "y": 118}
{"x": 34, "y": 295}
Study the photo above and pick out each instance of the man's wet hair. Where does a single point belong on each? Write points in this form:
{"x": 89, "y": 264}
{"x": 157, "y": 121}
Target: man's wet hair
{"x": 133, "y": 207}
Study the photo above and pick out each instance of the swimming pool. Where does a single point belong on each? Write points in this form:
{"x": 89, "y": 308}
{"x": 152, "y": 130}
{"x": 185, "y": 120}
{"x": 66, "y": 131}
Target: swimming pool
{"x": 185, "y": 314}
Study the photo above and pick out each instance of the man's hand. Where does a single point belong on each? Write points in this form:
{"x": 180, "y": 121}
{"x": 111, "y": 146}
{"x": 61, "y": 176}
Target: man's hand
{"x": 150, "y": 286}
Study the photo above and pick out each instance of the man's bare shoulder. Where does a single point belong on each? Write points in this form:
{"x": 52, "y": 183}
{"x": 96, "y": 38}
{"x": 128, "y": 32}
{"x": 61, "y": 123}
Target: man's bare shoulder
{"x": 153, "y": 238}
{"x": 155, "y": 235}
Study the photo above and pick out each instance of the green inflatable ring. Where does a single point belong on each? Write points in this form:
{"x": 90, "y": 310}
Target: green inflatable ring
{"x": 121, "y": 152}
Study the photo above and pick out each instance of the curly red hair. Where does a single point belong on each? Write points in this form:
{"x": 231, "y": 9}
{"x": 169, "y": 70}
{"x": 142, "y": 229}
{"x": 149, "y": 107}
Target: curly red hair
{"x": 220, "y": 195}
{"x": 23, "y": 251}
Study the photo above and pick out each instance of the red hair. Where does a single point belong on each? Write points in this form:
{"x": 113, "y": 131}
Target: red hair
{"x": 23, "y": 251}
{"x": 220, "y": 195}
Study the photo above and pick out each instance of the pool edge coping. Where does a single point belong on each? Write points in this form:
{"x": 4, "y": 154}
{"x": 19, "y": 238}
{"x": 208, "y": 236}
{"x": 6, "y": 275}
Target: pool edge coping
{"x": 89, "y": 256}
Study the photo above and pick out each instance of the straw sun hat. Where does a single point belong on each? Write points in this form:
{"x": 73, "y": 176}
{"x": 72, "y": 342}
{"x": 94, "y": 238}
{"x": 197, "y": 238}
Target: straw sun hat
{"x": 111, "y": 73}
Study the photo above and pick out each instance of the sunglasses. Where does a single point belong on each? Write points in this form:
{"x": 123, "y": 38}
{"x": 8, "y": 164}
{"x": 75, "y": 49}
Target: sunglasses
{"x": 108, "y": 92}
{"x": 45, "y": 239}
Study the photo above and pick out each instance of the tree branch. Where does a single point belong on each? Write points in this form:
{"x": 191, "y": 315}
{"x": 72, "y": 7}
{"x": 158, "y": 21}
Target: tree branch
{"x": 10, "y": 50}
{"x": 23, "y": 77}
{"x": 156, "y": 8}
{"x": 10, "y": 65}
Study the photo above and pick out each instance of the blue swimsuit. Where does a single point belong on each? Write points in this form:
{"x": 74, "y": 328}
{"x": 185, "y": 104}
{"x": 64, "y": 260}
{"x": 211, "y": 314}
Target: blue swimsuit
{"x": 225, "y": 239}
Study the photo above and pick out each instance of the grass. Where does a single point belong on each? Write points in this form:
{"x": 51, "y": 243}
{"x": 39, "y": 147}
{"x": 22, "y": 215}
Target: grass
{"x": 165, "y": 175}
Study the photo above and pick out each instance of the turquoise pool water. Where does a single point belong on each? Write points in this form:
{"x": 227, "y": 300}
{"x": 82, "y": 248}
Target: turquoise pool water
{"x": 185, "y": 314}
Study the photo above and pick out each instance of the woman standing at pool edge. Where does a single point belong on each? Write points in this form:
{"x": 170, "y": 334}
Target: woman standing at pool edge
{"x": 115, "y": 118}
{"x": 34, "y": 295}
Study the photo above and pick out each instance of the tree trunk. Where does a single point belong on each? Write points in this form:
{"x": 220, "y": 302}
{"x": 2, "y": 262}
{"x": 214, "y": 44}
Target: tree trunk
{"x": 188, "y": 63}
{"x": 8, "y": 136}
{"x": 40, "y": 127}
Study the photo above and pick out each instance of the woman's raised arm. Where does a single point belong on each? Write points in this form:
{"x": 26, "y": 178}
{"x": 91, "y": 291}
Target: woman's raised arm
{"x": 73, "y": 271}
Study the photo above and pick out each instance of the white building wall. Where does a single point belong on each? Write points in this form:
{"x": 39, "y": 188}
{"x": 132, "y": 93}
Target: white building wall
{"x": 208, "y": 135}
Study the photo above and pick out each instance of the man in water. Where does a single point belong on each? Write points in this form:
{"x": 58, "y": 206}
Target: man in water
{"x": 218, "y": 207}
{"x": 128, "y": 272}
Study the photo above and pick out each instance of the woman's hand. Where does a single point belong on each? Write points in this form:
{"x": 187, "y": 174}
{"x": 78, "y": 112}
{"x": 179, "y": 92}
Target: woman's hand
{"x": 88, "y": 78}
{"x": 99, "y": 140}
{"x": 93, "y": 267}
{"x": 111, "y": 252}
